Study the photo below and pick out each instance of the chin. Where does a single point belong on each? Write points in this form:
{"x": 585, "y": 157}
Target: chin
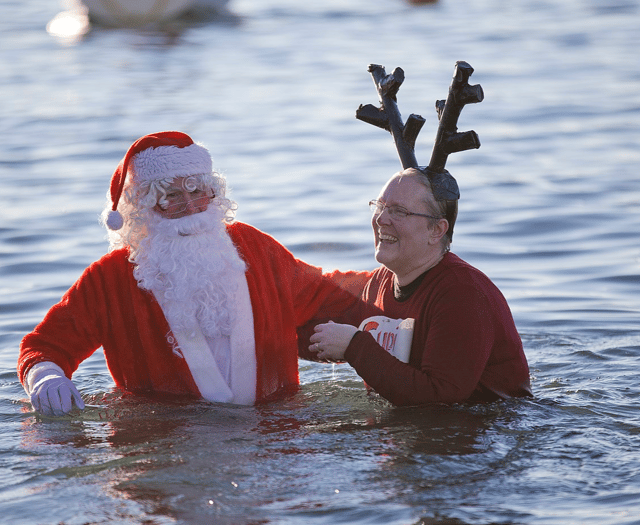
{"x": 382, "y": 257}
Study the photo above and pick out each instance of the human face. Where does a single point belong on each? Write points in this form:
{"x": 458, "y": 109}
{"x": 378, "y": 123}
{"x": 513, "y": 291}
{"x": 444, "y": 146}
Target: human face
{"x": 183, "y": 198}
{"x": 410, "y": 246}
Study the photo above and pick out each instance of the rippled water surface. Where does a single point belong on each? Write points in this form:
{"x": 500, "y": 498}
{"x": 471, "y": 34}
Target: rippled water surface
{"x": 550, "y": 210}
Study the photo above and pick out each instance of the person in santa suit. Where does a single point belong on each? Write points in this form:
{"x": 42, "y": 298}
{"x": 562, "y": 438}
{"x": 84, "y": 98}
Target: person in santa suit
{"x": 446, "y": 333}
{"x": 186, "y": 302}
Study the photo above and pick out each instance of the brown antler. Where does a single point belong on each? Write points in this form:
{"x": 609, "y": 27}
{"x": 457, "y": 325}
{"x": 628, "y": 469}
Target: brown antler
{"x": 388, "y": 117}
{"x": 448, "y": 140}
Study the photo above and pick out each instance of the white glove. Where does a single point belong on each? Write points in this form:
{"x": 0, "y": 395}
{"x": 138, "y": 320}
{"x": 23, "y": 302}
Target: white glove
{"x": 50, "y": 391}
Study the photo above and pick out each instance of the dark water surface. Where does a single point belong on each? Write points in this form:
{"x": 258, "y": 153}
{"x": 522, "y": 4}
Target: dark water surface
{"x": 550, "y": 210}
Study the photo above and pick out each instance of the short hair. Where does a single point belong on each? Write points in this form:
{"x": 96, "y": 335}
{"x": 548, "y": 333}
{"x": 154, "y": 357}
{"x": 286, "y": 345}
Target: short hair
{"x": 447, "y": 209}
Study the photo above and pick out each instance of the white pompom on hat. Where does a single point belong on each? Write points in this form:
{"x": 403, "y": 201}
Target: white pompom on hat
{"x": 158, "y": 156}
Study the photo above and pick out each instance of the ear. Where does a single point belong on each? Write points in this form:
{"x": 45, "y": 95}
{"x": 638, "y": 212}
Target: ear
{"x": 438, "y": 231}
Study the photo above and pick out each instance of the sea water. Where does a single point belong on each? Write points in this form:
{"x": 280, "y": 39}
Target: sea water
{"x": 550, "y": 210}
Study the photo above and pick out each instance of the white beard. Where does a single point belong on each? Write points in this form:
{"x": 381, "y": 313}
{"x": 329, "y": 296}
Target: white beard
{"x": 194, "y": 267}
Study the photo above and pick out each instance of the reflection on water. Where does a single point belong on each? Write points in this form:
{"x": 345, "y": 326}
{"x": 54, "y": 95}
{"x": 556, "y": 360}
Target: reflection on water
{"x": 550, "y": 210}
{"x": 300, "y": 457}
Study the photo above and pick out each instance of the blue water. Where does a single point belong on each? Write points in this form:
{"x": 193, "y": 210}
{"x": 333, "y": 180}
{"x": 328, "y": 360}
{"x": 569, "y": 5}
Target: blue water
{"x": 550, "y": 210}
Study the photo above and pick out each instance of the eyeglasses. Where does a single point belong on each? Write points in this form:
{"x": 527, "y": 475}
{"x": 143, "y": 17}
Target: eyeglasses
{"x": 175, "y": 203}
{"x": 395, "y": 212}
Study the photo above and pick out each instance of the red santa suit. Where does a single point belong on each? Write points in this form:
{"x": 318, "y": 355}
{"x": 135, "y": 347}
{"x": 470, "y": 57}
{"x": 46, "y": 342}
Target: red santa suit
{"x": 149, "y": 348}
{"x": 106, "y": 308}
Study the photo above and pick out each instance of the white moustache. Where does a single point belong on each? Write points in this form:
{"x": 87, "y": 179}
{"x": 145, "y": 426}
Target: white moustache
{"x": 198, "y": 223}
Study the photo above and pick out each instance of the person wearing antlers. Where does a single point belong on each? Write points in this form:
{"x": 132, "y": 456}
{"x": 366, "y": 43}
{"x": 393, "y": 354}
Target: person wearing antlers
{"x": 446, "y": 333}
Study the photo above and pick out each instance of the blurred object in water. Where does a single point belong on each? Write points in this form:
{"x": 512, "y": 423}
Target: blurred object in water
{"x": 422, "y": 2}
{"x": 70, "y": 25}
{"x": 144, "y": 13}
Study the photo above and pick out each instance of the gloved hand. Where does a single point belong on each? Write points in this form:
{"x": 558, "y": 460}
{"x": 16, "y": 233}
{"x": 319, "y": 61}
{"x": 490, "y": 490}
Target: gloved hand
{"x": 54, "y": 395}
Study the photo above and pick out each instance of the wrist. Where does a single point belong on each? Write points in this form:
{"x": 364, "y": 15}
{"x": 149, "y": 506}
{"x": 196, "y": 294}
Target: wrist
{"x": 353, "y": 344}
{"x": 39, "y": 371}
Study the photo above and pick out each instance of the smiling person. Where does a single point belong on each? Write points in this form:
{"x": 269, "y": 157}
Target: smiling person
{"x": 446, "y": 334}
{"x": 187, "y": 302}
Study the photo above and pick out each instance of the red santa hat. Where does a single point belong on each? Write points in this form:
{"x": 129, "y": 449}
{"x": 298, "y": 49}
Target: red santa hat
{"x": 158, "y": 156}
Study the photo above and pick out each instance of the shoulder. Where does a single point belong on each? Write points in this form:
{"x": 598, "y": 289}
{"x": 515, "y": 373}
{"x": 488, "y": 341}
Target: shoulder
{"x": 455, "y": 268}
{"x": 112, "y": 261}
{"x": 458, "y": 276}
{"x": 239, "y": 231}
{"x": 240, "y": 228}
{"x": 119, "y": 256}
{"x": 113, "y": 267}
{"x": 381, "y": 274}
{"x": 381, "y": 279}
{"x": 247, "y": 239}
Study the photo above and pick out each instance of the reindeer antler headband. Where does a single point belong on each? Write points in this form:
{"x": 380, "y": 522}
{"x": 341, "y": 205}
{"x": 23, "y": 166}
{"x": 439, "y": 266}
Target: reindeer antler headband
{"x": 448, "y": 139}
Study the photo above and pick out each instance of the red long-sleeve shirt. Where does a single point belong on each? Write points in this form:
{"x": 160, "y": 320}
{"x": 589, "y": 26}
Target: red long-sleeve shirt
{"x": 465, "y": 345}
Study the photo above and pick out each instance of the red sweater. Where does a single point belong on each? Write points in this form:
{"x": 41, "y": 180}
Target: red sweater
{"x": 106, "y": 307}
{"x": 465, "y": 345}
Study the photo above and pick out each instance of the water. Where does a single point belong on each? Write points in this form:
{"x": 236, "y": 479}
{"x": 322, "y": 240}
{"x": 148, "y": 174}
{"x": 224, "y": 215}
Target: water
{"x": 550, "y": 210}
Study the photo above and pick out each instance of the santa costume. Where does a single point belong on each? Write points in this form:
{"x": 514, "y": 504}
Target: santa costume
{"x": 146, "y": 352}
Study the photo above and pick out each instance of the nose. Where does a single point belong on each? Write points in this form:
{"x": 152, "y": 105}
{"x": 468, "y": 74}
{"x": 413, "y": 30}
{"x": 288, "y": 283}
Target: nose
{"x": 189, "y": 204}
{"x": 194, "y": 203}
{"x": 383, "y": 217}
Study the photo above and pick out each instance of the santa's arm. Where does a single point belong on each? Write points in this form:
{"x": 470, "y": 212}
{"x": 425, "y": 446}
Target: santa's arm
{"x": 50, "y": 354}
{"x": 352, "y": 281}
{"x": 67, "y": 335}
{"x": 334, "y": 296}
{"x": 330, "y": 297}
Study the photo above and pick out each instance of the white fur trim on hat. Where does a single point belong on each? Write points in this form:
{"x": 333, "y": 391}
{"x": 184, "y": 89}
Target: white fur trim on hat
{"x": 169, "y": 162}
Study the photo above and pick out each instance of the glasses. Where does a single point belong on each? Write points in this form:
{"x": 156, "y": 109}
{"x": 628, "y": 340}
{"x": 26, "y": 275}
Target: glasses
{"x": 395, "y": 212}
{"x": 176, "y": 204}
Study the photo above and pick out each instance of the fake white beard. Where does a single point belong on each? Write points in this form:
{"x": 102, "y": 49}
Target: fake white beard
{"x": 191, "y": 263}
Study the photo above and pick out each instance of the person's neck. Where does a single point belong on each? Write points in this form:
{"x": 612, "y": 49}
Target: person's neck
{"x": 414, "y": 273}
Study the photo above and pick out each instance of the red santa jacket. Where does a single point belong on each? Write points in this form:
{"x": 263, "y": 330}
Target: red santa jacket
{"x": 106, "y": 308}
